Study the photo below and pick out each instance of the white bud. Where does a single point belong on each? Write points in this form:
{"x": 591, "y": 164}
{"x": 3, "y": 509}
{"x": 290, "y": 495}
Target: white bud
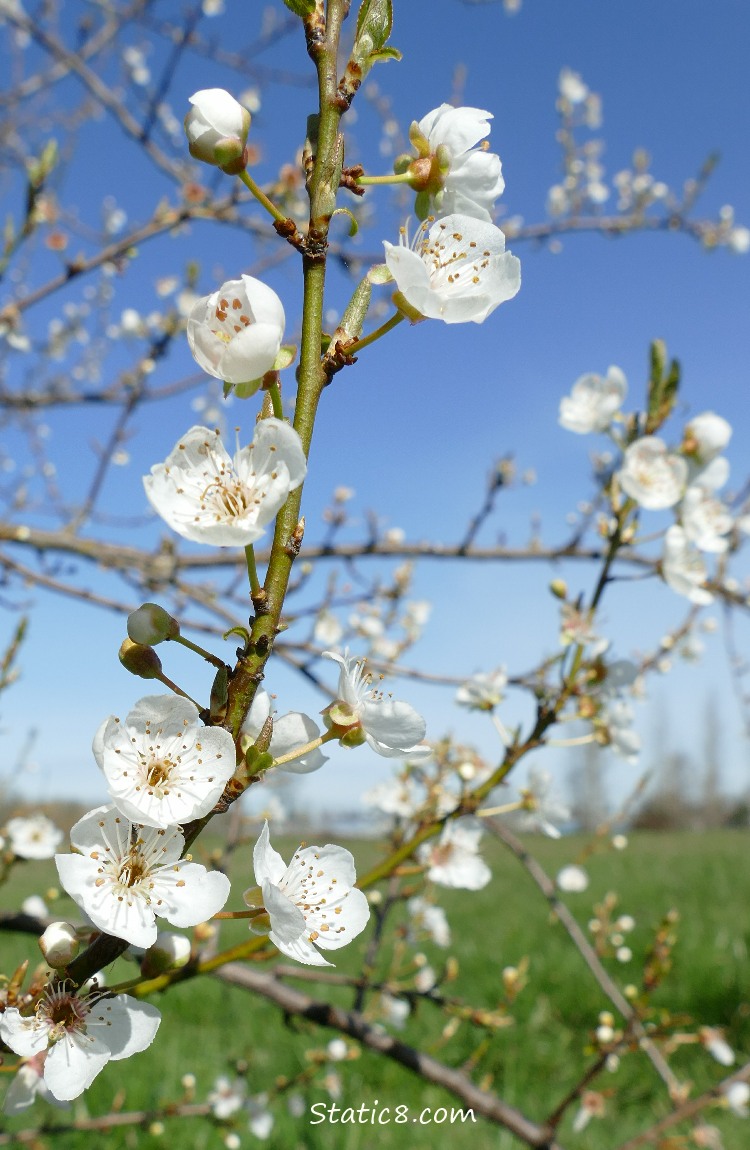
{"x": 59, "y": 944}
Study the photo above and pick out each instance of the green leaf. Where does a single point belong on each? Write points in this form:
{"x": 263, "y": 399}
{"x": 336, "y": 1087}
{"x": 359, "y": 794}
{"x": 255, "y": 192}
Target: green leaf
{"x": 353, "y": 223}
{"x": 663, "y": 386}
{"x": 301, "y": 8}
{"x": 383, "y": 55}
{"x": 374, "y": 23}
{"x": 287, "y": 354}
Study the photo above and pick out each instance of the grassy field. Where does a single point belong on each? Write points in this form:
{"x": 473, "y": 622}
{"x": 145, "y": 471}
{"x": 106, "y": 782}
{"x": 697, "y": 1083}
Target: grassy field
{"x": 209, "y": 1028}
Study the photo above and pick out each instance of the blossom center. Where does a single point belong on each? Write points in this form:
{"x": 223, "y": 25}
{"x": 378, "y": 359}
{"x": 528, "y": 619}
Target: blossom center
{"x": 230, "y": 319}
{"x": 158, "y": 774}
{"x": 228, "y": 500}
{"x": 448, "y": 263}
{"x": 63, "y": 1012}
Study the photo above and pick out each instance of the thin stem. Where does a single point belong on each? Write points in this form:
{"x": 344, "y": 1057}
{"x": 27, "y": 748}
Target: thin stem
{"x": 177, "y": 690}
{"x": 505, "y": 809}
{"x": 252, "y": 570}
{"x": 403, "y": 178}
{"x": 214, "y": 659}
{"x": 377, "y": 334}
{"x": 300, "y": 751}
{"x": 275, "y": 393}
{"x": 578, "y": 741}
{"x": 262, "y": 198}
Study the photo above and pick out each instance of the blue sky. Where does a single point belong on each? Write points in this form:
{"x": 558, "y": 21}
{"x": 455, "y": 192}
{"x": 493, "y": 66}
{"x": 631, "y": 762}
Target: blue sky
{"x": 415, "y": 427}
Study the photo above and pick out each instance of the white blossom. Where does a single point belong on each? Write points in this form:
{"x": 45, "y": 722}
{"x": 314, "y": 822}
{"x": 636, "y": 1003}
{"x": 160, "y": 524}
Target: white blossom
{"x": 397, "y": 796}
{"x": 484, "y": 691}
{"x": 431, "y": 919}
{"x": 227, "y": 1096}
{"x": 617, "y": 717}
{"x": 162, "y": 765}
{"x": 392, "y": 728}
{"x": 454, "y": 860}
{"x": 683, "y": 568}
{"x": 542, "y": 805}
{"x": 716, "y": 1045}
{"x": 80, "y": 1035}
{"x": 651, "y": 475}
{"x": 261, "y": 1118}
{"x": 737, "y": 1095}
{"x": 456, "y": 270}
{"x": 33, "y": 836}
{"x": 706, "y": 436}
{"x": 572, "y": 879}
{"x": 207, "y": 497}
{"x": 27, "y": 1085}
{"x": 394, "y": 1010}
{"x": 290, "y": 732}
{"x": 235, "y": 333}
{"x": 216, "y": 127}
{"x": 593, "y": 402}
{"x": 463, "y": 178}
{"x": 313, "y": 900}
{"x": 706, "y": 521}
{"x": 125, "y": 874}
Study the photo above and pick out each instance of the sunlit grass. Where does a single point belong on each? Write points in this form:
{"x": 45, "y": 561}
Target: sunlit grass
{"x": 210, "y": 1028}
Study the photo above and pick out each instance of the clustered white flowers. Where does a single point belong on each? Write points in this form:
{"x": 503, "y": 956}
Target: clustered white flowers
{"x": 657, "y": 478}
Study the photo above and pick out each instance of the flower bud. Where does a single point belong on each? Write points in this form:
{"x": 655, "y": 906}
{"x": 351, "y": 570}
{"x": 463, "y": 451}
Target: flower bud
{"x": 217, "y": 127}
{"x": 151, "y": 624}
{"x": 559, "y": 588}
{"x": 139, "y": 660}
{"x": 59, "y": 944}
{"x": 170, "y": 952}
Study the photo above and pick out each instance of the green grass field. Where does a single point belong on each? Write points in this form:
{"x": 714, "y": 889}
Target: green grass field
{"x": 208, "y": 1027}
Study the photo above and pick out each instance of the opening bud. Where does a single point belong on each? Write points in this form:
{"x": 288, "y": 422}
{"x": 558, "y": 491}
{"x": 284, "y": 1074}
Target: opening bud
{"x": 139, "y": 660}
{"x": 151, "y": 624}
{"x": 59, "y": 944}
{"x": 169, "y": 952}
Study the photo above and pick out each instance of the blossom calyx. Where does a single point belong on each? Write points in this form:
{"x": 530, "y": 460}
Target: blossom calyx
{"x": 139, "y": 660}
{"x": 151, "y": 624}
{"x": 59, "y": 944}
{"x": 216, "y": 127}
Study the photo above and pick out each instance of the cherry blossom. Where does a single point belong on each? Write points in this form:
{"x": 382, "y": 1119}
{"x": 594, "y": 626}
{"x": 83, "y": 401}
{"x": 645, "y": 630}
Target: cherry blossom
{"x": 162, "y": 765}
{"x": 313, "y": 900}
{"x": 427, "y": 917}
{"x": 706, "y": 436}
{"x": 399, "y": 796}
{"x": 652, "y": 476}
{"x": 27, "y": 1085}
{"x": 80, "y": 1035}
{"x": 453, "y": 175}
{"x": 391, "y": 728}
{"x": 454, "y": 859}
{"x": 126, "y": 874}
{"x": 235, "y": 333}
{"x": 593, "y": 402}
{"x": 542, "y": 805}
{"x": 456, "y": 270}
{"x": 216, "y": 127}
{"x": 683, "y": 568}
{"x": 484, "y": 691}
{"x": 205, "y": 496}
{"x": 33, "y": 836}
{"x": 706, "y": 521}
{"x": 572, "y": 879}
{"x": 290, "y": 732}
